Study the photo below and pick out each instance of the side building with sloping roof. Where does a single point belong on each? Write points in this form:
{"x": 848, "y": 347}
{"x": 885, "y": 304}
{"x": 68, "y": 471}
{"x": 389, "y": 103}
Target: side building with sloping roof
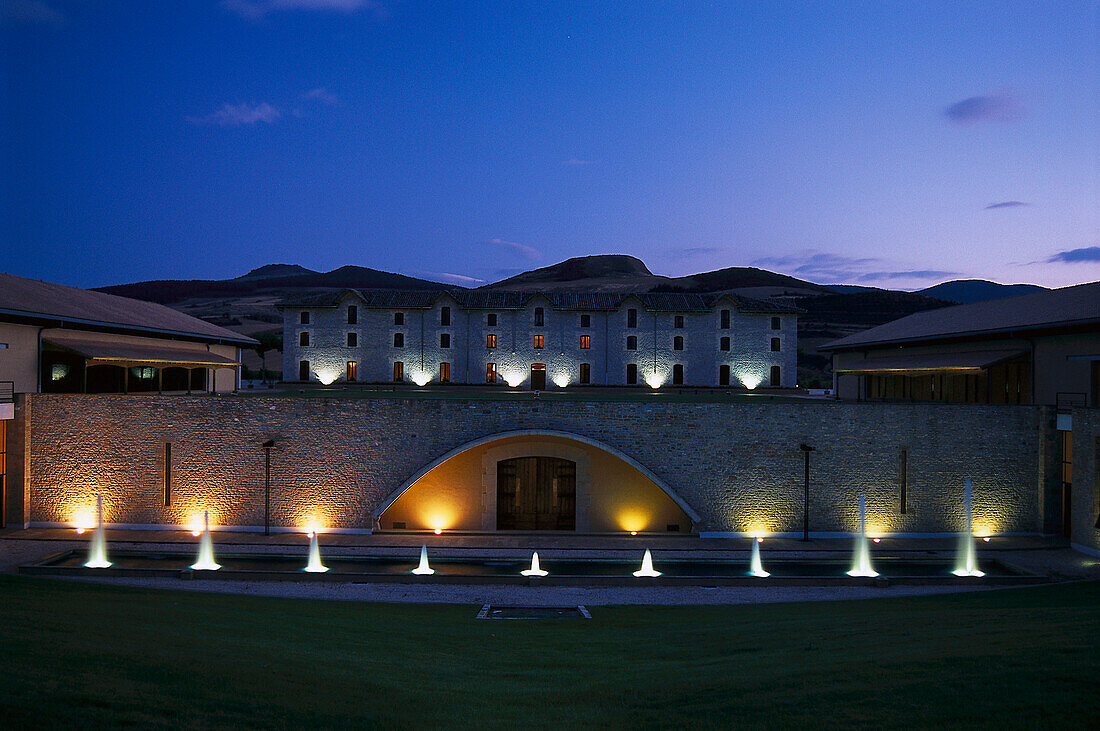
{"x": 1039, "y": 348}
{"x": 539, "y": 340}
{"x": 59, "y": 339}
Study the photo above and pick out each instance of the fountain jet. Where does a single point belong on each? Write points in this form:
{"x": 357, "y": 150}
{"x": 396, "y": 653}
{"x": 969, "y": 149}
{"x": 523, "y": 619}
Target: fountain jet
{"x": 534, "y": 570}
{"x": 423, "y": 569}
{"x": 755, "y": 567}
{"x": 206, "y": 560}
{"x": 647, "y": 566}
{"x": 314, "y": 566}
{"x": 861, "y": 563}
{"x": 966, "y": 564}
{"x": 97, "y": 553}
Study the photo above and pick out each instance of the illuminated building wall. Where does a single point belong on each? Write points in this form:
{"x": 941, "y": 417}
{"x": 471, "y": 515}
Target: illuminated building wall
{"x": 338, "y": 460}
{"x": 519, "y": 341}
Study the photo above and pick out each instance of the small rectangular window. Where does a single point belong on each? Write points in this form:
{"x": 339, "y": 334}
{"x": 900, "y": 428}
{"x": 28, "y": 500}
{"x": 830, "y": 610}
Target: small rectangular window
{"x": 399, "y": 318}
{"x": 586, "y": 342}
{"x": 353, "y": 371}
{"x": 678, "y": 342}
{"x": 445, "y": 316}
{"x": 398, "y": 370}
{"x": 304, "y": 319}
{"x": 353, "y": 340}
{"x": 399, "y": 340}
{"x": 678, "y": 374}
{"x": 632, "y": 318}
{"x": 490, "y": 372}
{"x": 490, "y": 340}
{"x": 303, "y": 339}
{"x": 631, "y": 374}
{"x": 724, "y": 344}
{"x": 353, "y": 315}
{"x": 678, "y": 321}
{"x": 725, "y": 319}
{"x": 538, "y": 342}
{"x": 491, "y": 319}
{"x": 586, "y": 320}
{"x": 444, "y": 372}
{"x": 444, "y": 340}
{"x": 631, "y": 342}
{"x": 775, "y": 345}
{"x": 538, "y": 317}
{"x": 777, "y": 324}
{"x": 586, "y": 373}
{"x": 303, "y": 370}
{"x": 776, "y": 380}
{"x": 724, "y": 375}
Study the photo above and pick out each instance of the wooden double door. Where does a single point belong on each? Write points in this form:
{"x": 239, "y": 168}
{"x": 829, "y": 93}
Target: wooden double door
{"x": 536, "y": 493}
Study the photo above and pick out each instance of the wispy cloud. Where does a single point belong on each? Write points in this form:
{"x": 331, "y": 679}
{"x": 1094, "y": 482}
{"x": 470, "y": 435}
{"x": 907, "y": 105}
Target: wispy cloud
{"x": 694, "y": 251}
{"x": 1007, "y": 204}
{"x": 529, "y": 252}
{"x": 255, "y": 9}
{"x": 837, "y": 269}
{"x": 239, "y": 115}
{"x": 459, "y": 279}
{"x": 322, "y": 95}
{"x": 576, "y": 162}
{"x": 1089, "y": 254}
{"x": 908, "y": 274}
{"x": 30, "y": 11}
{"x": 997, "y": 106}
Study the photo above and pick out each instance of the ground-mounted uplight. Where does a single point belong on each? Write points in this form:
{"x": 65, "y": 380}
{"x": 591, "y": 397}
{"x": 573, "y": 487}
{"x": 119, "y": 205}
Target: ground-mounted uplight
{"x": 655, "y": 380}
{"x": 438, "y": 531}
{"x": 327, "y": 377}
{"x": 561, "y": 380}
{"x": 749, "y": 380}
{"x": 633, "y": 532}
{"x": 513, "y": 381}
{"x": 421, "y": 379}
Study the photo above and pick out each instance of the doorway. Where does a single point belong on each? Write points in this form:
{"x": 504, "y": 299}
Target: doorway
{"x": 538, "y": 377}
{"x": 536, "y": 493}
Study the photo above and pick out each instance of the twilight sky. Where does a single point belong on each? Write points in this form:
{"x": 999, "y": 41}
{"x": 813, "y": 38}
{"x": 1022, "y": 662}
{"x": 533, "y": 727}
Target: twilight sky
{"x": 893, "y": 144}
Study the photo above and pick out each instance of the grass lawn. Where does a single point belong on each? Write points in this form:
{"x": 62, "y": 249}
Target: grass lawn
{"x": 82, "y": 655}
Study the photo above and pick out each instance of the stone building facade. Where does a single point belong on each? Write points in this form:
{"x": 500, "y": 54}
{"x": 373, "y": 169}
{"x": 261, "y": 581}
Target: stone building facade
{"x": 540, "y": 341}
{"x": 396, "y": 464}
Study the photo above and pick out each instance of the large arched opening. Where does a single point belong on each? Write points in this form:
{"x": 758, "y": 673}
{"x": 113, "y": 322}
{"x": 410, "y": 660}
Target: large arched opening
{"x": 535, "y": 481}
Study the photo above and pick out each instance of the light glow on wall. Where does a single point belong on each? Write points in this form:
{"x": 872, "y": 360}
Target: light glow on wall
{"x": 196, "y": 523}
{"x": 561, "y": 380}
{"x": 420, "y": 378}
{"x": 632, "y": 520}
{"x": 438, "y": 517}
{"x": 655, "y": 380}
{"x": 326, "y": 376}
{"x": 513, "y": 380}
{"x": 749, "y": 380}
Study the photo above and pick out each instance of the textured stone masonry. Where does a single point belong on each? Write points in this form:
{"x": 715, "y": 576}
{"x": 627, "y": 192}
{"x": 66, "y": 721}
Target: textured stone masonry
{"x": 737, "y": 465}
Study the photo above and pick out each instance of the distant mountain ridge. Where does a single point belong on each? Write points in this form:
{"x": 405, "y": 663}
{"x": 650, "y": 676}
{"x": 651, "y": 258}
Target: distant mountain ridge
{"x": 965, "y": 291}
{"x": 246, "y": 303}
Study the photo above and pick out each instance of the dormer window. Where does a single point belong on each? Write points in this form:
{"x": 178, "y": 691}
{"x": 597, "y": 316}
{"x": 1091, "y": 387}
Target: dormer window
{"x": 539, "y": 317}
{"x": 725, "y": 319}
{"x": 632, "y": 317}
{"x": 445, "y": 316}
{"x": 353, "y": 315}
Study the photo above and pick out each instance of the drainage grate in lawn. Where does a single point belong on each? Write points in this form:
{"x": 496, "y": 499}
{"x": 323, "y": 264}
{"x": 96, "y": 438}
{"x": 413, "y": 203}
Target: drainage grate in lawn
{"x": 489, "y": 611}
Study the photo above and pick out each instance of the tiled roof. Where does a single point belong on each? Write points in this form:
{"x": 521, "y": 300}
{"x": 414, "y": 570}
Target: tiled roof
{"x": 558, "y": 300}
{"x": 1069, "y": 306}
{"x": 33, "y": 300}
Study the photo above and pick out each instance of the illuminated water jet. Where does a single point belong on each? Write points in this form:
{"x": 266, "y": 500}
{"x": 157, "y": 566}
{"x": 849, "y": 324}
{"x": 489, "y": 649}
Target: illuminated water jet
{"x": 534, "y": 570}
{"x": 97, "y": 553}
{"x": 647, "y": 566}
{"x": 423, "y": 569}
{"x": 756, "y": 568}
{"x": 314, "y": 566}
{"x": 206, "y": 560}
{"x": 966, "y": 563}
{"x": 861, "y": 564}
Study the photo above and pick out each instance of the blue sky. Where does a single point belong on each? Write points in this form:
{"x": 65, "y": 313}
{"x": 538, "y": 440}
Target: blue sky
{"x": 887, "y": 144}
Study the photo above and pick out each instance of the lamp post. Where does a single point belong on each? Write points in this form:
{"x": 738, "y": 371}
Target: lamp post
{"x": 806, "y": 449}
{"x": 268, "y": 446}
